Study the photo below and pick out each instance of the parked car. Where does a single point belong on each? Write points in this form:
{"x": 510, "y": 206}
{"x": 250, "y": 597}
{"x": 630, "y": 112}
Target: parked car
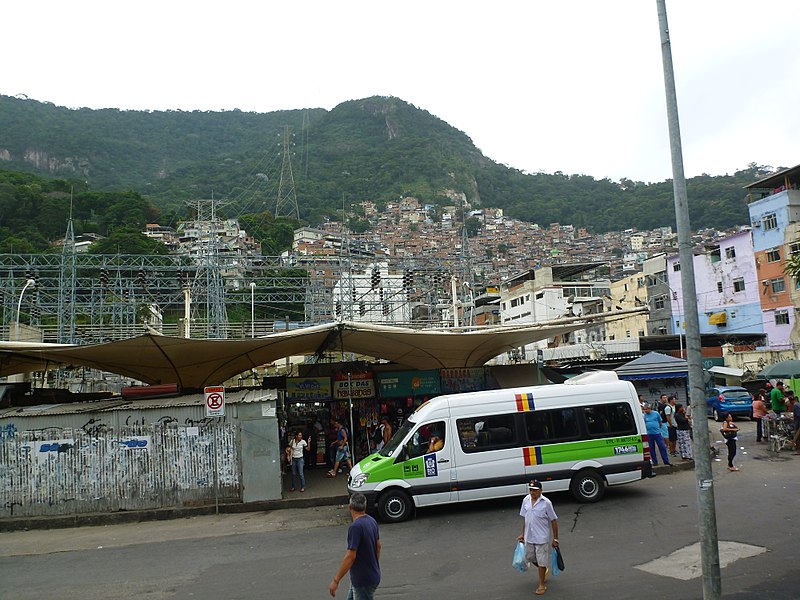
{"x": 724, "y": 400}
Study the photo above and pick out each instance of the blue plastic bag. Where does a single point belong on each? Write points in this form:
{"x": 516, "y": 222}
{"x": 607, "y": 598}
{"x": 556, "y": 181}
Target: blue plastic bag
{"x": 554, "y": 563}
{"x": 519, "y": 562}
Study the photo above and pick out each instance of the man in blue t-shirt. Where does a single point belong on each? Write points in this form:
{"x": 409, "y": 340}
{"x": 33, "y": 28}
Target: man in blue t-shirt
{"x": 363, "y": 554}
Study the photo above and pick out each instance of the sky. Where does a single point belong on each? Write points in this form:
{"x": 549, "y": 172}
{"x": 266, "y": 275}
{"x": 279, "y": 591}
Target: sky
{"x": 575, "y": 86}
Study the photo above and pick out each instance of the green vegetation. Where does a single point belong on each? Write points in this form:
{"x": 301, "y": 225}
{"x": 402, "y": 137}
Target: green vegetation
{"x": 377, "y": 149}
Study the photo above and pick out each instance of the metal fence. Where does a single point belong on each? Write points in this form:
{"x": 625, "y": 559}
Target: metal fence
{"x": 69, "y": 471}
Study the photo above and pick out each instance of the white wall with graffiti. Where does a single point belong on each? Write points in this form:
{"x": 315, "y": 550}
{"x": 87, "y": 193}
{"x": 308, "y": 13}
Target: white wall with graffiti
{"x": 111, "y": 456}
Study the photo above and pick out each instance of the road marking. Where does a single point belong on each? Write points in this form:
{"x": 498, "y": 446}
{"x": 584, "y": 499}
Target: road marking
{"x": 685, "y": 564}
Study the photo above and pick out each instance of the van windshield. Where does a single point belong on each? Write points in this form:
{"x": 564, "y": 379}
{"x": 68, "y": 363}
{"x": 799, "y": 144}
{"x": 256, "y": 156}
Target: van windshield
{"x": 397, "y": 438}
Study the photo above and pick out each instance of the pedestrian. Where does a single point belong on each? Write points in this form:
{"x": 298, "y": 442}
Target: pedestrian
{"x": 540, "y": 519}
{"x": 730, "y": 432}
{"x": 297, "y": 446}
{"x": 796, "y": 414}
{"x": 342, "y": 449}
{"x": 776, "y": 398}
{"x": 363, "y": 555}
{"x": 683, "y": 432}
{"x": 387, "y": 431}
{"x": 759, "y": 412}
{"x": 672, "y": 426}
{"x": 653, "y": 422}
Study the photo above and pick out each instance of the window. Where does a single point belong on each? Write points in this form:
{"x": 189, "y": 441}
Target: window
{"x": 676, "y": 266}
{"x": 781, "y": 317}
{"x": 738, "y": 284}
{"x": 794, "y": 249}
{"x": 428, "y": 438}
{"x": 627, "y": 333}
{"x": 715, "y": 255}
{"x": 548, "y": 426}
{"x": 730, "y": 252}
{"x": 770, "y": 221}
{"x": 719, "y": 287}
{"x": 605, "y": 420}
{"x": 641, "y": 333}
{"x": 773, "y": 255}
{"x": 478, "y": 434}
{"x": 778, "y": 285}
{"x": 658, "y": 302}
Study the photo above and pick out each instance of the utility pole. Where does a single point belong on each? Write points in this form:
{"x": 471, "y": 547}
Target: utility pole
{"x": 709, "y": 547}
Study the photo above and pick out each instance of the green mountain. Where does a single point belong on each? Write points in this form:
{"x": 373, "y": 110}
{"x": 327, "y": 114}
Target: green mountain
{"x": 375, "y": 149}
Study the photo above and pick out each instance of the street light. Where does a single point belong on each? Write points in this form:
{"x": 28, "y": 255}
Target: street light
{"x": 28, "y": 284}
{"x": 252, "y": 309}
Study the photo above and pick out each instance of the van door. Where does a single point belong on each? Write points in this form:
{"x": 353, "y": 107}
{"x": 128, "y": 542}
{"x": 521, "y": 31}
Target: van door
{"x": 427, "y": 461}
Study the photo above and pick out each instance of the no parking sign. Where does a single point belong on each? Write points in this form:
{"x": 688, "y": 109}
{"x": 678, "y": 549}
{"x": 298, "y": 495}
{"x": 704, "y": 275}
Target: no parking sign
{"x": 215, "y": 401}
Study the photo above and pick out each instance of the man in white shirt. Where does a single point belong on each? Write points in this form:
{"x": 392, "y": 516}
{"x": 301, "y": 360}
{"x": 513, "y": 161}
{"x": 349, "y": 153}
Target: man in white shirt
{"x": 540, "y": 519}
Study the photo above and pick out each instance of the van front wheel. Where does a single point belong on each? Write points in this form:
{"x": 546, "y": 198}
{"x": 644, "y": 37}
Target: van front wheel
{"x": 587, "y": 486}
{"x": 395, "y": 506}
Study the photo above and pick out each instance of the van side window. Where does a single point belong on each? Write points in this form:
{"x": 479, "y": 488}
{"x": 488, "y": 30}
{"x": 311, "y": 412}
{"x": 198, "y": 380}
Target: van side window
{"x": 603, "y": 420}
{"x": 428, "y": 438}
{"x": 547, "y": 426}
{"x": 478, "y": 434}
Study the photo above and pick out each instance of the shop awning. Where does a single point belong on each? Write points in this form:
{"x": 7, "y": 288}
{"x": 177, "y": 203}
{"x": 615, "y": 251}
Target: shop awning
{"x": 726, "y": 371}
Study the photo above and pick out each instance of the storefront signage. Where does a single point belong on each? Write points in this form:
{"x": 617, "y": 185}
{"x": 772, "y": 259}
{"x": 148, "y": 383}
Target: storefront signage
{"x": 409, "y": 383}
{"x": 463, "y": 380}
{"x": 354, "y": 385}
{"x": 308, "y": 389}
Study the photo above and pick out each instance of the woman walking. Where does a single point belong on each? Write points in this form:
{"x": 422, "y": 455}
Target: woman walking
{"x": 296, "y": 447}
{"x": 759, "y": 412}
{"x": 684, "y": 425}
{"x": 729, "y": 432}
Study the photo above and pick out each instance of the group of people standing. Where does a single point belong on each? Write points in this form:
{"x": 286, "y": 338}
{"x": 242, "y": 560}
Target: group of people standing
{"x": 669, "y": 428}
{"x": 778, "y": 400}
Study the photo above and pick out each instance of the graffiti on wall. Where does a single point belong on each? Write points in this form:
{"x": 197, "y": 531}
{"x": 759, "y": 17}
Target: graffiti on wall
{"x": 99, "y": 468}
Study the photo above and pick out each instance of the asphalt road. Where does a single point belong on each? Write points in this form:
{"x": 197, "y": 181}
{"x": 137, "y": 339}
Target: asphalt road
{"x": 448, "y": 552}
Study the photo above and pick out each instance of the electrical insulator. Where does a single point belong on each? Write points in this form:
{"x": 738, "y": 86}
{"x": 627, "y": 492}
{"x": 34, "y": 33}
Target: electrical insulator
{"x": 376, "y": 278}
{"x": 338, "y": 309}
{"x": 104, "y": 276}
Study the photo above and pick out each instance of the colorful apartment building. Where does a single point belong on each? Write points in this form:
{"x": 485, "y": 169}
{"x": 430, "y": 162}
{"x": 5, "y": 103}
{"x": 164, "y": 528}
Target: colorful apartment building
{"x": 774, "y": 207}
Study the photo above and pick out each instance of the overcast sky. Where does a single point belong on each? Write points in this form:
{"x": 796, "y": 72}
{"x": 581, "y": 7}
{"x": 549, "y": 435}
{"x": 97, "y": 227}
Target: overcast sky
{"x": 558, "y": 85}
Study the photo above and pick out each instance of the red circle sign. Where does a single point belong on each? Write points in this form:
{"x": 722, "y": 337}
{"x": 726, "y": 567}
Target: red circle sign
{"x": 214, "y": 401}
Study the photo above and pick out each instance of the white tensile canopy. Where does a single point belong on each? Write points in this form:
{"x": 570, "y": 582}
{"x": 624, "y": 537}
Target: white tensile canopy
{"x": 196, "y": 363}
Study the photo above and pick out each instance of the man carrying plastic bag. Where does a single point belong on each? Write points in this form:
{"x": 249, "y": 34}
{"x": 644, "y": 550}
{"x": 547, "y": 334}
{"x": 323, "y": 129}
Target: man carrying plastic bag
{"x": 540, "y": 518}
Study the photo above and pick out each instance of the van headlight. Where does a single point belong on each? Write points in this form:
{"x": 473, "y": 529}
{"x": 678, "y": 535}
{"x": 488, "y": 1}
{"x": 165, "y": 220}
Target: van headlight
{"x": 359, "y": 480}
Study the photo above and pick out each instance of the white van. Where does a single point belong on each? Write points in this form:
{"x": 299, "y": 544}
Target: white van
{"x": 480, "y": 445}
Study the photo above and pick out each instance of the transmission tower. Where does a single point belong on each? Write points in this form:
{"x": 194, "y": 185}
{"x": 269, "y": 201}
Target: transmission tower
{"x": 286, "y": 206}
{"x": 66, "y": 285}
{"x": 209, "y": 284}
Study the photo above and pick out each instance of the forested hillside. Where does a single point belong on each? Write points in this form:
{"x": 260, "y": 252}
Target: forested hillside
{"x": 372, "y": 149}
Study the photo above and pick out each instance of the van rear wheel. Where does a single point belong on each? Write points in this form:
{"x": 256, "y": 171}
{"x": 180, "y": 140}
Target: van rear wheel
{"x": 395, "y": 506}
{"x": 587, "y": 486}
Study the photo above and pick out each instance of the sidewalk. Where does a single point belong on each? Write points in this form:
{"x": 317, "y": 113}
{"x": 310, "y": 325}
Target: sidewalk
{"x": 320, "y": 491}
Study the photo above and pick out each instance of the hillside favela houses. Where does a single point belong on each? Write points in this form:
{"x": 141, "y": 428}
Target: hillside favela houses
{"x": 201, "y": 361}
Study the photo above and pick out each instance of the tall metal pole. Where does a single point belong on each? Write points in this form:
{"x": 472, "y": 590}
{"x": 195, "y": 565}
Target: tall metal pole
{"x": 252, "y": 309}
{"x": 28, "y": 284}
{"x": 709, "y": 548}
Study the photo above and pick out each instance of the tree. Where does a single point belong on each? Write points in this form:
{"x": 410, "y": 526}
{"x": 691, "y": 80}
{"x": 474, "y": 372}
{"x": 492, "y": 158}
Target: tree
{"x": 128, "y": 240}
{"x": 792, "y": 268}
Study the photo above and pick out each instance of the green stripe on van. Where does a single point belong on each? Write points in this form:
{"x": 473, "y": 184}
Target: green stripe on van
{"x": 588, "y": 449}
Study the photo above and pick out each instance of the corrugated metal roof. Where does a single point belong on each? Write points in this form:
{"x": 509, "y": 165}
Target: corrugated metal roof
{"x": 237, "y": 397}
